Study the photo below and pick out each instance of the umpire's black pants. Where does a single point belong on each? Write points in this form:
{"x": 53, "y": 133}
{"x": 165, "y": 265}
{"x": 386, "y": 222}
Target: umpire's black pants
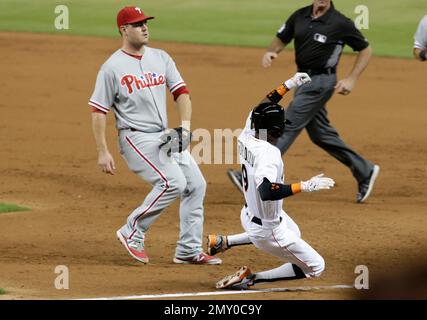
{"x": 308, "y": 110}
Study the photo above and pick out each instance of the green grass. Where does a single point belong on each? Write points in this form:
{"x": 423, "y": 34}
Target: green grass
{"x": 7, "y": 207}
{"x": 2, "y": 291}
{"x": 228, "y": 22}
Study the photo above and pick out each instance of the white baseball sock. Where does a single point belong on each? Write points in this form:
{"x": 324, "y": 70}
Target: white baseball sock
{"x": 238, "y": 239}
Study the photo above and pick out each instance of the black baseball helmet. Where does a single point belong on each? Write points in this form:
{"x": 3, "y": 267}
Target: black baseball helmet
{"x": 269, "y": 116}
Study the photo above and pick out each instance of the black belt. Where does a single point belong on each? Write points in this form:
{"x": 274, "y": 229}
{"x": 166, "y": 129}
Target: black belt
{"x": 258, "y": 221}
{"x": 136, "y": 130}
{"x": 312, "y": 72}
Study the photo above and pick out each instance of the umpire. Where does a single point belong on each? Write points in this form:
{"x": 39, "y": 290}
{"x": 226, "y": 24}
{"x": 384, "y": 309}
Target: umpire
{"x": 320, "y": 33}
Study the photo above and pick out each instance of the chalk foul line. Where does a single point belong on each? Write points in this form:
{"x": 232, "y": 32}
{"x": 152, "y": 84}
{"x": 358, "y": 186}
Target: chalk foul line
{"x": 221, "y": 293}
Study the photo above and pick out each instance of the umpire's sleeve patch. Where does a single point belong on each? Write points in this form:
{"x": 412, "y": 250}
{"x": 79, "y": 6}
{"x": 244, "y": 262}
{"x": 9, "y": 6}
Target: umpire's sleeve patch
{"x": 282, "y": 28}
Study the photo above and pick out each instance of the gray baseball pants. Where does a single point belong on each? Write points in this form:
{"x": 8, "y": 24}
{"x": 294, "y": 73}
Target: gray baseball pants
{"x": 179, "y": 176}
{"x": 308, "y": 110}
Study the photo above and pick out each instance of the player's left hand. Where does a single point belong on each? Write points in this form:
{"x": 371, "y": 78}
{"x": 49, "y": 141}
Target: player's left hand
{"x": 345, "y": 86}
{"x": 317, "y": 183}
{"x": 297, "y": 80}
{"x": 175, "y": 140}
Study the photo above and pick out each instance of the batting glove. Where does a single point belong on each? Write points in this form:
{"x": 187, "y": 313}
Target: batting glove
{"x": 317, "y": 183}
{"x": 297, "y": 80}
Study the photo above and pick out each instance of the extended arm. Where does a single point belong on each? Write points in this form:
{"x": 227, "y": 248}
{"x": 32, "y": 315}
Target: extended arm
{"x": 277, "y": 94}
{"x": 275, "y": 191}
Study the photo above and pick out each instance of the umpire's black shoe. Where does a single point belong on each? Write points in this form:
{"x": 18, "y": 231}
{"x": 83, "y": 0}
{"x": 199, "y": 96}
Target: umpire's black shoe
{"x": 236, "y": 177}
{"x": 365, "y": 187}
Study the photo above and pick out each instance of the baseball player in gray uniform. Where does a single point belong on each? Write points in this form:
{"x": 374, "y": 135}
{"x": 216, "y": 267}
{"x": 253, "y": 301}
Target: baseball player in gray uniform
{"x": 132, "y": 83}
{"x": 420, "y": 44}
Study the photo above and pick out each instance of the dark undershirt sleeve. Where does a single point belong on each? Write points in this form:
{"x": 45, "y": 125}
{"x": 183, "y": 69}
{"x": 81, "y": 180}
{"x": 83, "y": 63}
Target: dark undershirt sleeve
{"x": 274, "y": 191}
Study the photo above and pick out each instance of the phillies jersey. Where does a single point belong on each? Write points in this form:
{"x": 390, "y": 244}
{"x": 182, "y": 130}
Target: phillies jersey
{"x": 135, "y": 89}
{"x": 259, "y": 160}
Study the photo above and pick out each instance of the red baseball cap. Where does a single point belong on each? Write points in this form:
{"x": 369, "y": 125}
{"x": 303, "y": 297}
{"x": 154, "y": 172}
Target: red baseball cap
{"x": 130, "y": 15}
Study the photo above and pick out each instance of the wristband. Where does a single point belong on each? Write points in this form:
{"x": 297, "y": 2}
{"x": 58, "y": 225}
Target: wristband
{"x": 282, "y": 89}
{"x": 276, "y": 95}
{"x": 296, "y": 188}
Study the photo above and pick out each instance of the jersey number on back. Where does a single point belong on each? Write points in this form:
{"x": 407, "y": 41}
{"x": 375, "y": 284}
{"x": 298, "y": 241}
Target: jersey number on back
{"x": 245, "y": 178}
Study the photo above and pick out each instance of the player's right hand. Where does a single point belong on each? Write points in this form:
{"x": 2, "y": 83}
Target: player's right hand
{"x": 106, "y": 162}
{"x": 267, "y": 58}
{"x": 317, "y": 183}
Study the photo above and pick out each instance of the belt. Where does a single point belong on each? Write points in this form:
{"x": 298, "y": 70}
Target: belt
{"x": 136, "y": 130}
{"x": 312, "y": 72}
{"x": 258, "y": 221}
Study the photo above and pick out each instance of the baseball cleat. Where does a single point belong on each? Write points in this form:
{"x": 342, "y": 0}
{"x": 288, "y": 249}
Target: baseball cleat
{"x": 134, "y": 248}
{"x": 201, "y": 258}
{"x": 236, "y": 178}
{"x": 365, "y": 188}
{"x": 216, "y": 244}
{"x": 241, "y": 280}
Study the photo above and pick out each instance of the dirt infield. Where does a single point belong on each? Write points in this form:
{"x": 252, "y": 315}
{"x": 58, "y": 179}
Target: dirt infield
{"x": 48, "y": 163}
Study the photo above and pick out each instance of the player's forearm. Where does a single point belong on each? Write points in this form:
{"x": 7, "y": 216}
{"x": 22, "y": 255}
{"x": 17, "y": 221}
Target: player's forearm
{"x": 276, "y": 45}
{"x": 276, "y": 95}
{"x": 184, "y": 106}
{"x": 361, "y": 63}
{"x": 275, "y": 191}
{"x": 99, "y": 121}
{"x": 420, "y": 54}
